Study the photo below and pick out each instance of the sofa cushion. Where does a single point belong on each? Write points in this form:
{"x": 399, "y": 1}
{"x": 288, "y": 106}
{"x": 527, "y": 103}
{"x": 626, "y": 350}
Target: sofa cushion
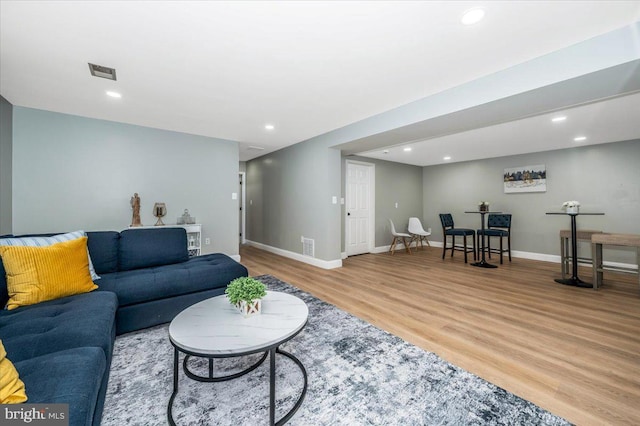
{"x": 47, "y": 240}
{"x": 142, "y": 248}
{"x": 72, "y": 376}
{"x": 38, "y": 274}
{"x": 75, "y": 321}
{"x": 197, "y": 274}
{"x": 11, "y": 387}
{"x": 103, "y": 247}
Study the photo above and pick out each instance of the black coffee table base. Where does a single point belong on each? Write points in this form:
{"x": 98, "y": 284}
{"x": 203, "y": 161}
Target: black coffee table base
{"x": 574, "y": 282}
{"x": 210, "y": 378}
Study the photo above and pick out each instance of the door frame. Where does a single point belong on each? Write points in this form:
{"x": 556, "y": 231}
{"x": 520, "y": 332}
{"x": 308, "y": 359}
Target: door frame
{"x": 372, "y": 197}
{"x": 243, "y": 199}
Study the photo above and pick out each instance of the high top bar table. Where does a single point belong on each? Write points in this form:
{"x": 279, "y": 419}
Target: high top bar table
{"x": 483, "y": 263}
{"x": 574, "y": 280}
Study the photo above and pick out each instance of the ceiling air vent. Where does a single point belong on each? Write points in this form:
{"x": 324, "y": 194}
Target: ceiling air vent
{"x": 104, "y": 72}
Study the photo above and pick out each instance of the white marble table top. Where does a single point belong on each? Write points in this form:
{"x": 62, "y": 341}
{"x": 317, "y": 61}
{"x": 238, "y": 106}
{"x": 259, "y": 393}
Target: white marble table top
{"x": 215, "y": 327}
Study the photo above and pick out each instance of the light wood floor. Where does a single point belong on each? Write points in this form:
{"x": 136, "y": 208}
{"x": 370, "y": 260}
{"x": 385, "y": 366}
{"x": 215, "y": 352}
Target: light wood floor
{"x": 572, "y": 351}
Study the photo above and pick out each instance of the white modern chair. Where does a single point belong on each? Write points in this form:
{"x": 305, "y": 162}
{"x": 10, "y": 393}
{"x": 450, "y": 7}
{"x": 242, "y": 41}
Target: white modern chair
{"x": 417, "y": 231}
{"x": 397, "y": 236}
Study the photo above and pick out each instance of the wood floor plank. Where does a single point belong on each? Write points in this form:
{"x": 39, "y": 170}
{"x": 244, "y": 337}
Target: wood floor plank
{"x": 572, "y": 351}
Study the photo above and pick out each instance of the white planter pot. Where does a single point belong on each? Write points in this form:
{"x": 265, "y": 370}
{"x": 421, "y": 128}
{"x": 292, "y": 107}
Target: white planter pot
{"x": 573, "y": 210}
{"x": 248, "y": 309}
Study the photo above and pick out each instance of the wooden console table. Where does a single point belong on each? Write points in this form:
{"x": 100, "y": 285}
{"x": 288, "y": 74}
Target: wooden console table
{"x": 625, "y": 240}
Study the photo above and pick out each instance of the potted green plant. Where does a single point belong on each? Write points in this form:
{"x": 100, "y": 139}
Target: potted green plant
{"x": 246, "y": 294}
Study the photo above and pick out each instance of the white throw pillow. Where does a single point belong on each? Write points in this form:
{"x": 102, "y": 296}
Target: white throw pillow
{"x": 47, "y": 241}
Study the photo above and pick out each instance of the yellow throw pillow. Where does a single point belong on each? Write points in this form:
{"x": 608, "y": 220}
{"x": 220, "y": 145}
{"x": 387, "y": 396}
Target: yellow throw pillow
{"x": 38, "y": 274}
{"x": 11, "y": 387}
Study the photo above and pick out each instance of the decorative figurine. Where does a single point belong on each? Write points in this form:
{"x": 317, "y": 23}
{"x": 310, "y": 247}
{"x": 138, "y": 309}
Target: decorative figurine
{"x": 135, "y": 205}
{"x": 159, "y": 211}
{"x": 186, "y": 218}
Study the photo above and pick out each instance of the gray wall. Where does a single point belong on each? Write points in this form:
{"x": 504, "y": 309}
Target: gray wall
{"x": 6, "y": 143}
{"x": 604, "y": 178}
{"x": 289, "y": 195}
{"x": 71, "y": 172}
{"x": 395, "y": 183}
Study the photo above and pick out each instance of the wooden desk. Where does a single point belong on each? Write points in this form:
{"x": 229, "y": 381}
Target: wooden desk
{"x": 625, "y": 240}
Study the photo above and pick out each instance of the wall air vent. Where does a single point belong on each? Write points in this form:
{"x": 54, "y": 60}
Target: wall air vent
{"x": 308, "y": 247}
{"x": 104, "y": 72}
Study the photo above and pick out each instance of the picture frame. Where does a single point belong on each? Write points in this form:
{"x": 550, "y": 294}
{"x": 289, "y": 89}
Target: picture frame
{"x": 531, "y": 178}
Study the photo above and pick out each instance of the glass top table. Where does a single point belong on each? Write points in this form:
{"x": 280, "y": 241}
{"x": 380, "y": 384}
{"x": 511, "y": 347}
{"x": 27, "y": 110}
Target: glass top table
{"x": 574, "y": 280}
{"x": 483, "y": 263}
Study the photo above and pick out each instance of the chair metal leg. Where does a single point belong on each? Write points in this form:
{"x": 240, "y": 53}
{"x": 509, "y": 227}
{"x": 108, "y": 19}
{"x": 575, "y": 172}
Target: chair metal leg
{"x": 453, "y": 244}
{"x": 444, "y": 244}
{"x": 501, "y": 250}
{"x": 464, "y": 241}
{"x": 474, "y": 250}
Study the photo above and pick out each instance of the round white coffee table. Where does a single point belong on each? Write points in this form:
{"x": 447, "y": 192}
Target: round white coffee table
{"x": 214, "y": 328}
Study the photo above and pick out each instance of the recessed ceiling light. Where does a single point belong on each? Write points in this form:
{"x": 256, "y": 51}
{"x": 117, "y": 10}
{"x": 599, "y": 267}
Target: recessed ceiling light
{"x": 113, "y": 94}
{"x": 559, "y": 118}
{"x": 446, "y": 158}
{"x": 472, "y": 16}
{"x": 580, "y": 138}
{"x": 269, "y": 126}
{"x": 407, "y": 149}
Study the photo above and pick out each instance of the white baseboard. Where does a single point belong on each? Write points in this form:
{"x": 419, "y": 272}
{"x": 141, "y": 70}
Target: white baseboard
{"x": 332, "y": 264}
{"x": 383, "y": 249}
{"x": 324, "y": 264}
{"x": 519, "y": 254}
{"x": 235, "y": 257}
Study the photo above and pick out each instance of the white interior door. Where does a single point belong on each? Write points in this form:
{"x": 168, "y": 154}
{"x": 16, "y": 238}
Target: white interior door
{"x": 359, "y": 208}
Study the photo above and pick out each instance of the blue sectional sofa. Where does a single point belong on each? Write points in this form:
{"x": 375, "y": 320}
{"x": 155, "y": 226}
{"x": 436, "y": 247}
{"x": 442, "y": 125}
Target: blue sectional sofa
{"x": 62, "y": 348}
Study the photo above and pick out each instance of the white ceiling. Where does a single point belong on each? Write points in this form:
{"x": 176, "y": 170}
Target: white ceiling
{"x": 225, "y": 69}
{"x": 611, "y": 120}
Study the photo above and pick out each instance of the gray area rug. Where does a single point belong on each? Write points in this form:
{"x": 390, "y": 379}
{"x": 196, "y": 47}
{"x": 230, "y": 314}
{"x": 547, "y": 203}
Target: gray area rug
{"x": 358, "y": 375}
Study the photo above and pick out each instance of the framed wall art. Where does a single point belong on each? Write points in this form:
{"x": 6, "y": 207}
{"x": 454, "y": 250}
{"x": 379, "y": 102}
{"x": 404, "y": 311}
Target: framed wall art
{"x": 525, "y": 179}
